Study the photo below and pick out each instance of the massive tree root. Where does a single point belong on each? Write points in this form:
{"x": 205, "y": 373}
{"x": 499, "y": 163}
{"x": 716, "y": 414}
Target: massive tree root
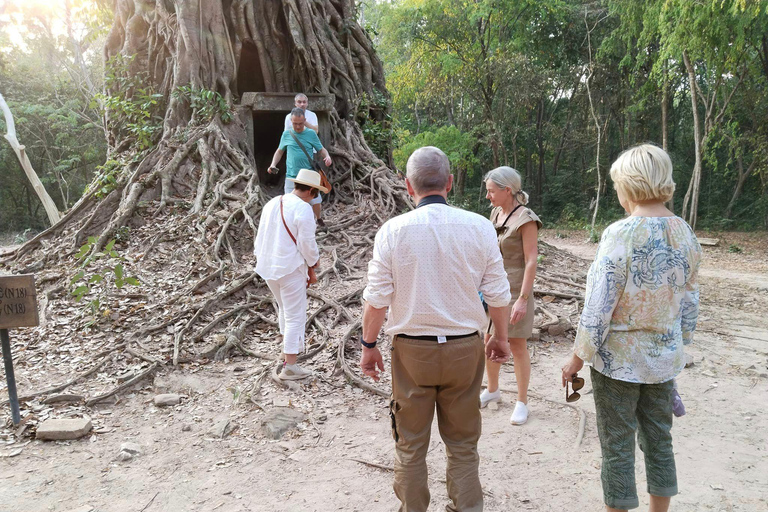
{"x": 184, "y": 212}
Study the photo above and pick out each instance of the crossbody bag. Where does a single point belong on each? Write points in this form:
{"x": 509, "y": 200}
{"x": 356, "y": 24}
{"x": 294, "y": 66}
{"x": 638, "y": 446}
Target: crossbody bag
{"x": 311, "y": 276}
{"x": 323, "y": 178}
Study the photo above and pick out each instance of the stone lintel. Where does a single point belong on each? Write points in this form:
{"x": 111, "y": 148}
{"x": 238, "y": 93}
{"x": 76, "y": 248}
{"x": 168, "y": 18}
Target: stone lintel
{"x": 283, "y": 101}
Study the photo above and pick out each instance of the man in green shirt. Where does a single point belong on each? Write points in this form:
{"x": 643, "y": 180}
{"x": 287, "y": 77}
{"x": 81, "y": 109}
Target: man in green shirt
{"x": 298, "y": 159}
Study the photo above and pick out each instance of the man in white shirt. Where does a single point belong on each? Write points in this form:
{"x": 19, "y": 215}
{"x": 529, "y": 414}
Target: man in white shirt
{"x": 427, "y": 268}
{"x": 310, "y": 118}
{"x": 285, "y": 249}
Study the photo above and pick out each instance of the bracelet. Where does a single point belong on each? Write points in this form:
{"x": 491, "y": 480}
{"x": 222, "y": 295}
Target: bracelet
{"x": 523, "y": 296}
{"x": 366, "y": 344}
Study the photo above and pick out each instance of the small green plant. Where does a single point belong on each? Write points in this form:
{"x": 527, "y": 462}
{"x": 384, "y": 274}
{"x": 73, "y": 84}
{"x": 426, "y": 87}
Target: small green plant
{"x": 86, "y": 281}
{"x": 376, "y": 122}
{"x": 22, "y": 237}
{"x": 734, "y": 248}
{"x": 123, "y": 234}
{"x": 594, "y": 237}
{"x": 540, "y": 259}
{"x": 134, "y": 108}
{"x": 106, "y": 181}
{"x": 205, "y": 104}
{"x": 560, "y": 235}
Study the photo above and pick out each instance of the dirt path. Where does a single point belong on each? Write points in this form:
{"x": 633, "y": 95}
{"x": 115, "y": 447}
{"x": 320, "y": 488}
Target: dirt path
{"x": 720, "y": 444}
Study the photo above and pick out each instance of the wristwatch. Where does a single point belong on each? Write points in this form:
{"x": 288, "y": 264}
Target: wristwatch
{"x": 366, "y": 344}
{"x": 523, "y": 296}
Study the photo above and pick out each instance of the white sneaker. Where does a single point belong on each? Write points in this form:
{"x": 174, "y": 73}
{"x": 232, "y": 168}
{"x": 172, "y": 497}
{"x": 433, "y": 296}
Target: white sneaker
{"x": 294, "y": 372}
{"x": 520, "y": 414}
{"x": 486, "y": 397}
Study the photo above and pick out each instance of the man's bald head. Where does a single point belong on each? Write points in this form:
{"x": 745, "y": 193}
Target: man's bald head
{"x": 428, "y": 170}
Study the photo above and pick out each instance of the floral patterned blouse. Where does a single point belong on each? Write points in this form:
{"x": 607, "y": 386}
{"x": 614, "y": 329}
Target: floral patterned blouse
{"x": 642, "y": 300}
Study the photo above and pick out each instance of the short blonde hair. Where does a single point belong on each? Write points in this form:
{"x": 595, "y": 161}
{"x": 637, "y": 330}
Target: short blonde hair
{"x": 643, "y": 173}
{"x": 507, "y": 177}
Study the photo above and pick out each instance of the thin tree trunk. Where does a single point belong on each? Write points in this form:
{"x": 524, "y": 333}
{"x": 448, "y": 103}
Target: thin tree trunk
{"x": 540, "y": 147}
{"x": 566, "y": 130}
{"x": 665, "y": 121}
{"x": 21, "y": 154}
{"x": 692, "y": 194}
{"x": 743, "y": 175}
{"x": 461, "y": 180}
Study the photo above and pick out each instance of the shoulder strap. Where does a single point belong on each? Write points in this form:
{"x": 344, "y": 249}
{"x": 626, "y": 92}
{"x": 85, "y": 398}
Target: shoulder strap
{"x": 311, "y": 161}
{"x": 285, "y": 223}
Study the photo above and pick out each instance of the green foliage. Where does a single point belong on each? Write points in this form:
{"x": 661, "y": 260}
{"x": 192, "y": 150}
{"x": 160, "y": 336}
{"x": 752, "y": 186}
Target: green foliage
{"x": 733, "y": 248}
{"x": 376, "y": 122}
{"x": 46, "y": 91}
{"x": 205, "y": 104}
{"x": 511, "y": 74}
{"x": 133, "y": 108}
{"x": 97, "y": 284}
{"x": 455, "y": 144}
{"x": 106, "y": 181}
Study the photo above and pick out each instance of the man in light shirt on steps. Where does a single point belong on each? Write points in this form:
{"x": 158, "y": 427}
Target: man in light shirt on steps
{"x": 310, "y": 118}
{"x": 427, "y": 267}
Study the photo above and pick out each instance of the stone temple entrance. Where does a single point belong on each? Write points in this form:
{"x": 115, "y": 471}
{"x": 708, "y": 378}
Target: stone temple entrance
{"x": 264, "y": 114}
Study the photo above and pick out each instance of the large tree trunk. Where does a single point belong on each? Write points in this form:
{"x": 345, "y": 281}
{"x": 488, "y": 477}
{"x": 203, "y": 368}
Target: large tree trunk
{"x": 202, "y": 166}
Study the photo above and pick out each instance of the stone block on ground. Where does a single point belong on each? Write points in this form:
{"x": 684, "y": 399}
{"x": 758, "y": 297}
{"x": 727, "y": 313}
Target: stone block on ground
{"x": 167, "y": 399}
{"x": 59, "y": 430}
{"x": 559, "y": 328}
{"x": 132, "y": 448}
{"x": 84, "y": 508}
{"x": 279, "y": 421}
{"x": 223, "y": 428}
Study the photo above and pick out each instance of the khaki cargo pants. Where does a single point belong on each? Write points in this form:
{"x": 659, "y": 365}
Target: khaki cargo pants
{"x": 427, "y": 375}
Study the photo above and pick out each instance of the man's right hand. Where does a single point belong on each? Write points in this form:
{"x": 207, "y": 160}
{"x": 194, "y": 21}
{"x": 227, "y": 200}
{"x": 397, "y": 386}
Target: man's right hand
{"x": 372, "y": 363}
{"x": 273, "y": 170}
{"x": 497, "y": 350}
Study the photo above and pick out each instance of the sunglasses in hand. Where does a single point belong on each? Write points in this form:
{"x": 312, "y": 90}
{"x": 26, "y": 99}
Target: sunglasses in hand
{"x": 576, "y": 383}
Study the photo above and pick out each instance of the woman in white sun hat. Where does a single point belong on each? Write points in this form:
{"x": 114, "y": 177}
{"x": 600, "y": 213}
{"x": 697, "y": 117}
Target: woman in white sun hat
{"x": 286, "y": 252}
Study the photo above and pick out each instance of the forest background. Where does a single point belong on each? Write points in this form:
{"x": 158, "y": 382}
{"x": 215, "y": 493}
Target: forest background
{"x": 555, "y": 88}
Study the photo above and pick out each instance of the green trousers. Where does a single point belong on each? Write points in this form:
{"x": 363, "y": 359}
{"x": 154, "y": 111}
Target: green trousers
{"x": 624, "y": 408}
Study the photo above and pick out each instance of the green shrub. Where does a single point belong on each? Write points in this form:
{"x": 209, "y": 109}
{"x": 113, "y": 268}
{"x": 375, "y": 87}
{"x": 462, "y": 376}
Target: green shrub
{"x": 98, "y": 284}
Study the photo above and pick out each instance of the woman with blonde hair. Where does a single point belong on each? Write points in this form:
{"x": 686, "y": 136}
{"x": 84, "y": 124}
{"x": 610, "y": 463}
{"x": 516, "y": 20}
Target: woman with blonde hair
{"x": 517, "y": 228}
{"x": 640, "y": 308}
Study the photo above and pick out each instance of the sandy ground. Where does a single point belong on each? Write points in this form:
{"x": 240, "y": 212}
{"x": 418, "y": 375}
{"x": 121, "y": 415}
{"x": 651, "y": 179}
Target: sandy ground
{"x": 720, "y": 444}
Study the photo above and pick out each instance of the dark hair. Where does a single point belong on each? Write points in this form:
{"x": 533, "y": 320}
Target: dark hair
{"x": 296, "y": 111}
{"x": 303, "y": 188}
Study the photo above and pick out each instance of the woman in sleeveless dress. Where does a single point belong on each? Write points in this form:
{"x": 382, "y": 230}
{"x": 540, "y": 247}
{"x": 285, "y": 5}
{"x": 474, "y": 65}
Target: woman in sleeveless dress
{"x": 517, "y": 228}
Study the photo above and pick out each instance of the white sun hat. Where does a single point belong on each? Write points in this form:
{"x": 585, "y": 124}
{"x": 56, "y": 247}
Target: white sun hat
{"x": 309, "y": 178}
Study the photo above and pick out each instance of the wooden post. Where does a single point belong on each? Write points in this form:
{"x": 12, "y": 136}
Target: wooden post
{"x": 13, "y": 397}
{"x": 18, "y": 308}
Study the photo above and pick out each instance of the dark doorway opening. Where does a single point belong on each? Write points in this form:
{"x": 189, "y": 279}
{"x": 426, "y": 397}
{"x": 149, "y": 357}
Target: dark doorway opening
{"x": 249, "y": 76}
{"x": 267, "y": 129}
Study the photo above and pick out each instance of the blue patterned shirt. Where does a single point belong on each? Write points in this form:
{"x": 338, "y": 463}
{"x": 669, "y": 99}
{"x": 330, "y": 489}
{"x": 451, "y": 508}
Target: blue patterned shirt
{"x": 642, "y": 300}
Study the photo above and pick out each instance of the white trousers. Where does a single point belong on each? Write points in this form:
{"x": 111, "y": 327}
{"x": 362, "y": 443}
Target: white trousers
{"x": 291, "y": 294}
